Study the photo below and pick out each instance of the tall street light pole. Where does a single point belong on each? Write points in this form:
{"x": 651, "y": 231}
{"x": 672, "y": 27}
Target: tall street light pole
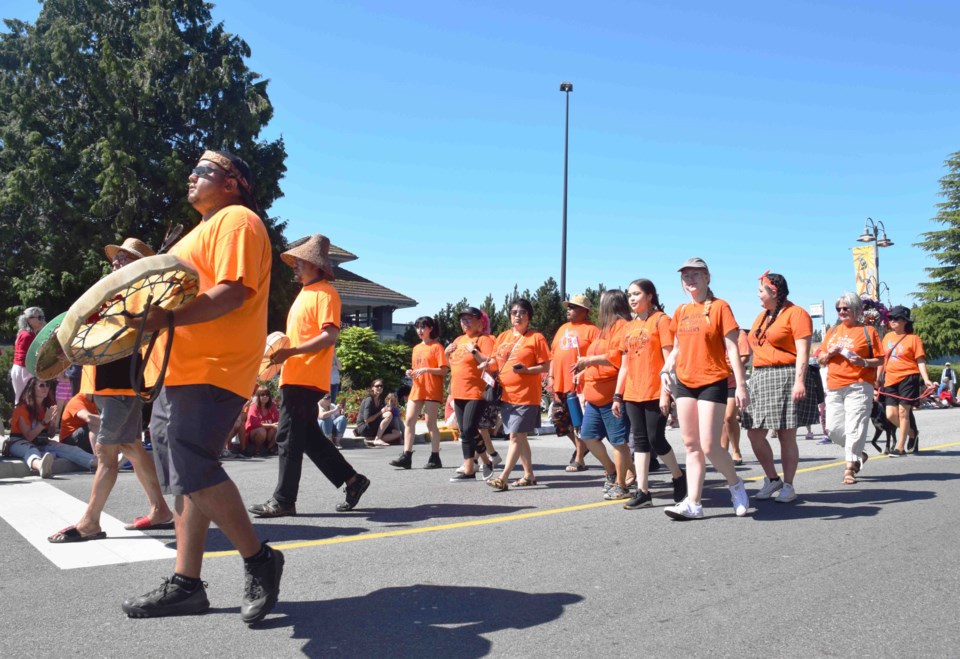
{"x": 871, "y": 230}
{"x": 566, "y": 88}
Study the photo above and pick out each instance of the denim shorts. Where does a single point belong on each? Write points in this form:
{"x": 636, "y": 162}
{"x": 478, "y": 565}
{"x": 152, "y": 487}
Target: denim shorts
{"x": 599, "y": 423}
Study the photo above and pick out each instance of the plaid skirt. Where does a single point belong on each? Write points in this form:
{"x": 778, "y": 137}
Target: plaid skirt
{"x": 771, "y": 402}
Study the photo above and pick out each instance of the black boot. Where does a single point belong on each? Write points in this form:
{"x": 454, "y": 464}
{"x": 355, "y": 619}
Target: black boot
{"x": 405, "y": 460}
{"x": 433, "y": 462}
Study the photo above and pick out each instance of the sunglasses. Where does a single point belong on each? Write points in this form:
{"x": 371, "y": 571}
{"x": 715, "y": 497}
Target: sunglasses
{"x": 518, "y": 312}
{"x": 843, "y": 308}
{"x": 262, "y": 395}
{"x": 43, "y": 385}
{"x": 378, "y": 386}
{"x": 205, "y": 171}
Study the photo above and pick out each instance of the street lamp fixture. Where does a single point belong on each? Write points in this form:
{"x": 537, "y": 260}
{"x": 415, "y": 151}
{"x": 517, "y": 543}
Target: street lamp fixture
{"x": 874, "y": 232}
{"x": 566, "y": 88}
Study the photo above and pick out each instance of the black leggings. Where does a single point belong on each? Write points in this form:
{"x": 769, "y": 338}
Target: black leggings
{"x": 648, "y": 427}
{"x": 469, "y": 414}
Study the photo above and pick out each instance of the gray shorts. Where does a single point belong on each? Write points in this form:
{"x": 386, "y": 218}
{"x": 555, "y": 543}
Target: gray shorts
{"x": 121, "y": 419}
{"x": 188, "y": 427}
{"x": 519, "y": 418}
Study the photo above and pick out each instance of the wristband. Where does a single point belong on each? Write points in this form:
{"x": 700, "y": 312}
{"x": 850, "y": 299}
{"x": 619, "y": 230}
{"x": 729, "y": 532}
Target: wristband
{"x": 664, "y": 372}
{"x": 618, "y": 398}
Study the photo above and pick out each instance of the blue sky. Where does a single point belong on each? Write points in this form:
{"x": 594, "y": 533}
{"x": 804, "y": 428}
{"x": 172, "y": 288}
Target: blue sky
{"x": 427, "y": 138}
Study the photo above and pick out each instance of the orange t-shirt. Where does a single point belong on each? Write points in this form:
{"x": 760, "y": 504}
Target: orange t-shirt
{"x": 840, "y": 372}
{"x": 643, "y": 342}
{"x": 901, "y": 360}
{"x": 111, "y": 379}
{"x": 316, "y": 307}
{"x": 233, "y": 245}
{"x": 703, "y": 355}
{"x": 571, "y": 342}
{"x": 21, "y": 422}
{"x": 466, "y": 381}
{"x": 70, "y": 421}
{"x": 428, "y": 387}
{"x": 530, "y": 350}
{"x": 600, "y": 382}
{"x": 779, "y": 347}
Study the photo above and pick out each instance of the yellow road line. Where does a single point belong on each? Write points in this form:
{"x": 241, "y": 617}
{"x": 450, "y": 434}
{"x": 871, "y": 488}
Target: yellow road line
{"x": 504, "y": 518}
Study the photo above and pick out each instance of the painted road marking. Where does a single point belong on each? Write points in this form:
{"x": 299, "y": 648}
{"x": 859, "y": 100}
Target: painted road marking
{"x": 505, "y": 518}
{"x": 36, "y": 510}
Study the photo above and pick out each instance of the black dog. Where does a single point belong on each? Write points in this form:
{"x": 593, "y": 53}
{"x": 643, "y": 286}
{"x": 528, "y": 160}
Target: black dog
{"x": 878, "y": 417}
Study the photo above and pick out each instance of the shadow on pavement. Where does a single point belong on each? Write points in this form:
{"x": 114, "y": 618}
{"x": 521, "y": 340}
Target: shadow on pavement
{"x": 276, "y": 533}
{"x": 861, "y": 500}
{"x": 416, "y": 621}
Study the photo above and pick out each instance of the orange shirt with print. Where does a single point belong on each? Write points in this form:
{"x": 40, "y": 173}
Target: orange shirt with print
{"x": 703, "y": 354}
{"x": 571, "y": 341}
{"x": 315, "y": 308}
{"x": 779, "y": 347}
{"x": 840, "y": 372}
{"x": 70, "y": 420}
{"x": 428, "y": 387}
{"x": 901, "y": 361}
{"x": 232, "y": 245}
{"x": 600, "y": 382}
{"x": 643, "y": 342}
{"x": 530, "y": 350}
{"x": 466, "y": 381}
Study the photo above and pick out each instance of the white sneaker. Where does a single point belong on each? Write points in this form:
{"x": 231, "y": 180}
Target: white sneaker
{"x": 741, "y": 502}
{"x": 46, "y": 465}
{"x": 496, "y": 460}
{"x": 809, "y": 435}
{"x": 460, "y": 470}
{"x": 786, "y": 495}
{"x": 769, "y": 488}
{"x": 684, "y": 510}
{"x": 487, "y": 471}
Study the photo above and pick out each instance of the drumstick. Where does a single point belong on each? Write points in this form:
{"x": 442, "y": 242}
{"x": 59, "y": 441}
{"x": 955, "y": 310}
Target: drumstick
{"x": 172, "y": 234}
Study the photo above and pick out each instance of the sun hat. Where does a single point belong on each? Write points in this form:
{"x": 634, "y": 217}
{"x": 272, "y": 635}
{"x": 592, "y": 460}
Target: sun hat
{"x": 899, "y": 311}
{"x": 313, "y": 249}
{"x": 578, "y": 301}
{"x": 695, "y": 262}
{"x": 131, "y": 246}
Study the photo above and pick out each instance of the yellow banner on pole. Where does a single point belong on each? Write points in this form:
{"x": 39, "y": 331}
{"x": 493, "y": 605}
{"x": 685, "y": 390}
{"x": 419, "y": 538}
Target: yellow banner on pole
{"x": 865, "y": 268}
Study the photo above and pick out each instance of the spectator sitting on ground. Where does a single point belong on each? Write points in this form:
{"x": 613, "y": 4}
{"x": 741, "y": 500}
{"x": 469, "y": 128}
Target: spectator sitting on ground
{"x": 948, "y": 379}
{"x": 375, "y": 420}
{"x": 262, "y": 419}
{"x": 239, "y": 433}
{"x": 80, "y": 422}
{"x": 29, "y": 432}
{"x": 331, "y": 419}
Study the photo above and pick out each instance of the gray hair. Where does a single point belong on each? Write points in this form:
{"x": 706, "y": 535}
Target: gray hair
{"x": 852, "y": 300}
{"x": 29, "y": 312}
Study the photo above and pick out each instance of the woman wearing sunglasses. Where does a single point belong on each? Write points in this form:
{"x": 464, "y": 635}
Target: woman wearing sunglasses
{"x": 783, "y": 396}
{"x": 30, "y": 432}
{"x": 851, "y": 351}
{"x": 29, "y": 323}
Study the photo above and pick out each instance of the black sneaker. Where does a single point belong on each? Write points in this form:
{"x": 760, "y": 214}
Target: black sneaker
{"x": 464, "y": 478}
{"x": 168, "y": 600}
{"x": 680, "y": 487}
{"x": 354, "y": 492}
{"x": 639, "y": 500}
{"x": 433, "y": 463}
{"x": 405, "y": 461}
{"x": 273, "y": 508}
{"x": 261, "y": 587}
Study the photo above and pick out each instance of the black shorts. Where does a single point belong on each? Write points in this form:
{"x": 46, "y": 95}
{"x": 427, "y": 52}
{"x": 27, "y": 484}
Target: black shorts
{"x": 714, "y": 393}
{"x": 908, "y": 388}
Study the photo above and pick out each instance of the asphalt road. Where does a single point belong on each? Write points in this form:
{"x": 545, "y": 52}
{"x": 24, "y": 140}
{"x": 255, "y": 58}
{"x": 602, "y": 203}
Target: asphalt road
{"x": 424, "y": 567}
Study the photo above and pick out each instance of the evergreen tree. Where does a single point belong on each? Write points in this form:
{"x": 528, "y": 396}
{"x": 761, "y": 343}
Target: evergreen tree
{"x": 105, "y": 107}
{"x": 937, "y": 320}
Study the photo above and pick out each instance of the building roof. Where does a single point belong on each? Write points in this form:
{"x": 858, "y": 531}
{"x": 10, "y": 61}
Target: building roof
{"x": 358, "y": 291}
